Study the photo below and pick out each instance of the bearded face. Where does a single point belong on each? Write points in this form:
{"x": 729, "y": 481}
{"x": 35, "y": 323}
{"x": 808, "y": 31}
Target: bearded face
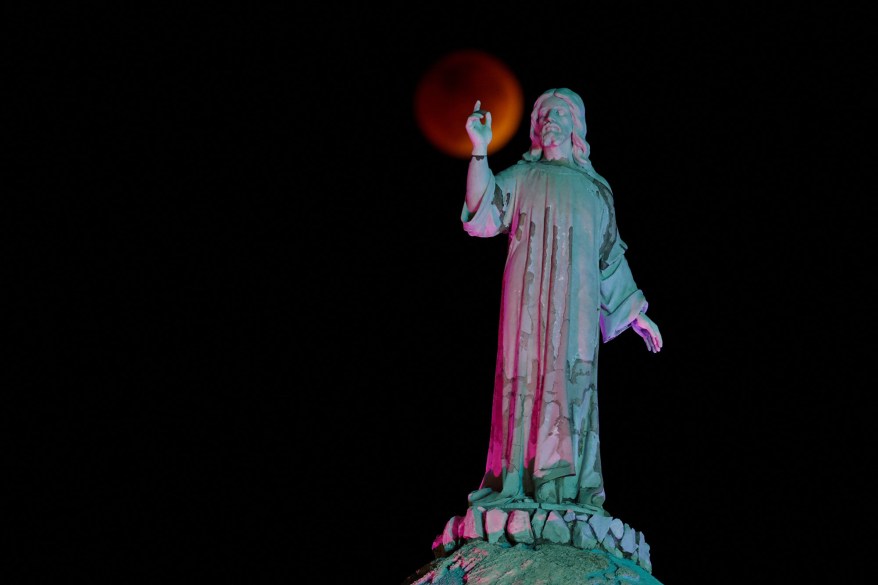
{"x": 554, "y": 122}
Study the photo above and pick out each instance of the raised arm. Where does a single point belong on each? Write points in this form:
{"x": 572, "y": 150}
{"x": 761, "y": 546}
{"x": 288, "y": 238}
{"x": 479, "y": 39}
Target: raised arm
{"x": 479, "y": 174}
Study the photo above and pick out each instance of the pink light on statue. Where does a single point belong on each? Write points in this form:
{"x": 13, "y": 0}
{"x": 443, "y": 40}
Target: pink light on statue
{"x": 566, "y": 288}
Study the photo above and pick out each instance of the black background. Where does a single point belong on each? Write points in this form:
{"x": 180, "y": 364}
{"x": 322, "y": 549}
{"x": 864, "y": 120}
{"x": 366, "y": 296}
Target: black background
{"x": 271, "y": 344}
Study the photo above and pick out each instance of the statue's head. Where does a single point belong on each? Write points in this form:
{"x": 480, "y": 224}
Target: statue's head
{"x": 577, "y": 113}
{"x": 581, "y": 149}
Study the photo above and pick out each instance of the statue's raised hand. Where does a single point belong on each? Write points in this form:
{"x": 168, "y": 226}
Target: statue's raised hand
{"x": 480, "y": 134}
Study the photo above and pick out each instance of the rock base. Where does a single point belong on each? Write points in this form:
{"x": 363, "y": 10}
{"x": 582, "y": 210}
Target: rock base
{"x": 484, "y": 563}
{"x": 532, "y": 525}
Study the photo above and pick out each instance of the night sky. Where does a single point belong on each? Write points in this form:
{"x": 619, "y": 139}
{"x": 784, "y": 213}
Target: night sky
{"x": 253, "y": 261}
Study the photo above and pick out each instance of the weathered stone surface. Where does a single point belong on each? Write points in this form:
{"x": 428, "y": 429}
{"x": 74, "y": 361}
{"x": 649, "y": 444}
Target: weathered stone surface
{"x": 601, "y": 525}
{"x": 523, "y": 527}
{"x": 643, "y": 552}
{"x": 576, "y": 508}
{"x": 473, "y": 526}
{"x": 609, "y": 545}
{"x": 583, "y": 535}
{"x": 520, "y": 506}
{"x": 518, "y": 527}
{"x": 495, "y": 524}
{"x": 448, "y": 540}
{"x": 628, "y": 543}
{"x": 483, "y": 563}
{"x": 556, "y": 529}
{"x": 617, "y": 528}
{"x": 538, "y": 521}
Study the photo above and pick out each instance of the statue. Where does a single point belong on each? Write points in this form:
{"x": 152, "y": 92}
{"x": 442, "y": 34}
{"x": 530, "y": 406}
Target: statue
{"x": 565, "y": 282}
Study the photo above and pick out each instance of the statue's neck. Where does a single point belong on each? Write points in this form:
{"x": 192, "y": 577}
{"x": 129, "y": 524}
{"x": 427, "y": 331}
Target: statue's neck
{"x": 559, "y": 153}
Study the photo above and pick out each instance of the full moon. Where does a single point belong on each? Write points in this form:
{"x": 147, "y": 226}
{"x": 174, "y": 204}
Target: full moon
{"x": 447, "y": 94}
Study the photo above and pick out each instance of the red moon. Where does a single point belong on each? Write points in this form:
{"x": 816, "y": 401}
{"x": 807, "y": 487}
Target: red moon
{"x": 447, "y": 94}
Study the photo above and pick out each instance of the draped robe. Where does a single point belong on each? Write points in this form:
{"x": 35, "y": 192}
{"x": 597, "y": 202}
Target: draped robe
{"x": 566, "y": 280}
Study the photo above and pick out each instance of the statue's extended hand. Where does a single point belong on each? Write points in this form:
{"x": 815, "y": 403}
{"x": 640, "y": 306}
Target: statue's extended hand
{"x": 649, "y": 331}
{"x": 479, "y": 134}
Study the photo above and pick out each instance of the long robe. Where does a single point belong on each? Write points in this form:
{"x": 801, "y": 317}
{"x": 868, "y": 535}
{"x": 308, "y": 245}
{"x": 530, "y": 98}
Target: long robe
{"x": 566, "y": 281}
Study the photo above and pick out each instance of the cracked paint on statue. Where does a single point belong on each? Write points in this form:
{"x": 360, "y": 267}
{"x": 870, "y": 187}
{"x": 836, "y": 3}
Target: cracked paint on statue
{"x": 566, "y": 283}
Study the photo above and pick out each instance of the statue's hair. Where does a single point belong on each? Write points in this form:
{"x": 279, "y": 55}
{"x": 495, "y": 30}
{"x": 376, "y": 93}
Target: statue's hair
{"x": 581, "y": 149}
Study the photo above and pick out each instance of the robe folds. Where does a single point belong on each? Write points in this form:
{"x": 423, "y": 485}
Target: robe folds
{"x": 566, "y": 281}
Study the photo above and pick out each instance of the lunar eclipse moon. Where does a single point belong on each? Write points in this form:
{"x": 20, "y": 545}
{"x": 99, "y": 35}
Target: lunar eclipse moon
{"x": 447, "y": 93}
